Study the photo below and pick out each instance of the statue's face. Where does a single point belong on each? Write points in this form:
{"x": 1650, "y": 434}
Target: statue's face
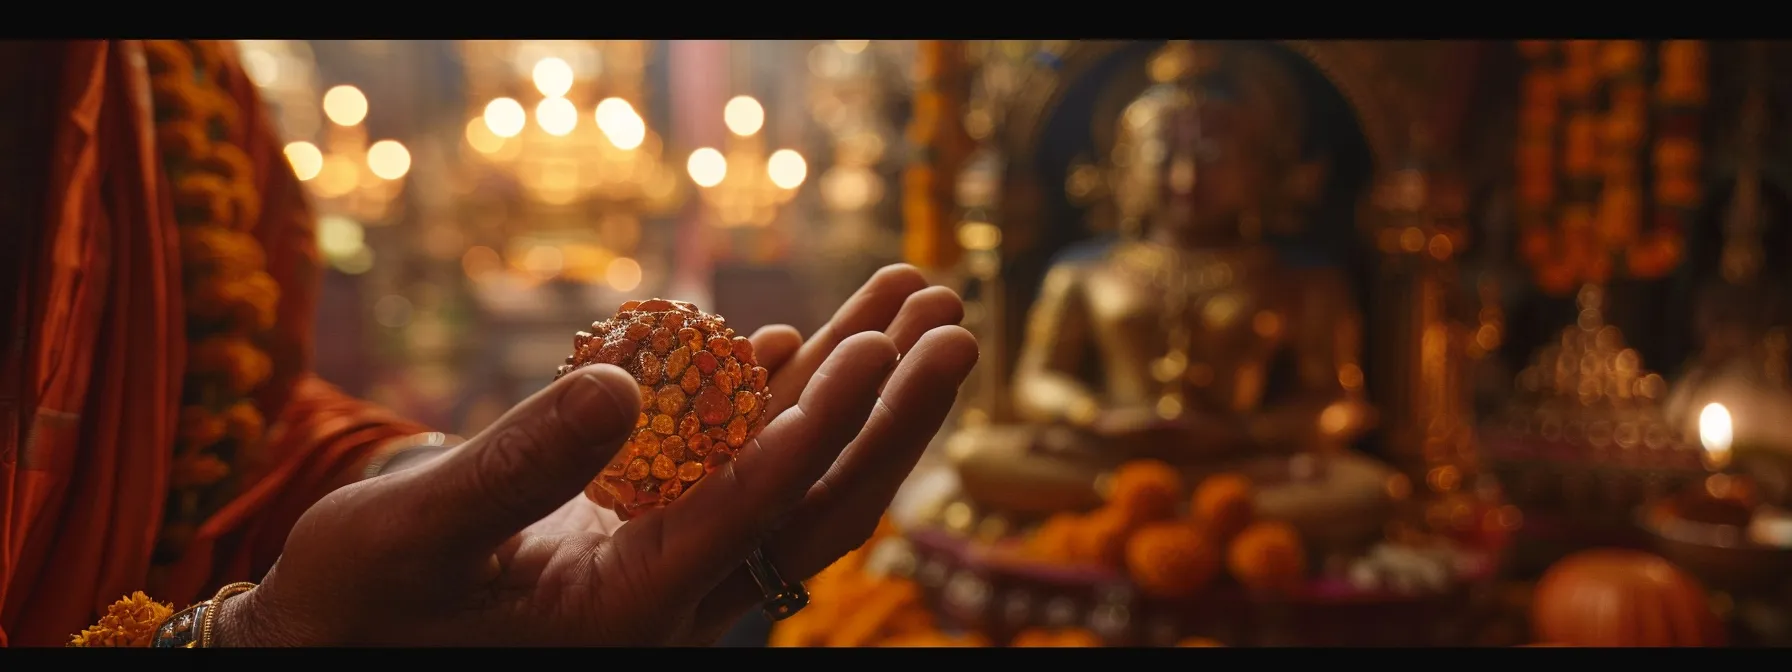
{"x": 1217, "y": 166}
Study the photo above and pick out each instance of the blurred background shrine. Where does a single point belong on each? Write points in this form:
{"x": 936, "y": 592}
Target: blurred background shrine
{"x": 1410, "y": 343}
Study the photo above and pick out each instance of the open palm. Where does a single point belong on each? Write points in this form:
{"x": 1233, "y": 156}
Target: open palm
{"x": 495, "y": 544}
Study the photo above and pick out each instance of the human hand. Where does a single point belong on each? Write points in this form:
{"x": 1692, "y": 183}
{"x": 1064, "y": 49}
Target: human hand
{"x": 463, "y": 550}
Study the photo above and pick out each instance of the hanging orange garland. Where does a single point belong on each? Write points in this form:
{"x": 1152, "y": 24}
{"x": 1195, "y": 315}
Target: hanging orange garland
{"x": 230, "y": 298}
{"x": 1583, "y": 127}
{"x": 941, "y": 144}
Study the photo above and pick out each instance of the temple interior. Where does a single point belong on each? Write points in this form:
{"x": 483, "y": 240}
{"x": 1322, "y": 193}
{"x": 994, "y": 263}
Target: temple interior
{"x": 1284, "y": 343}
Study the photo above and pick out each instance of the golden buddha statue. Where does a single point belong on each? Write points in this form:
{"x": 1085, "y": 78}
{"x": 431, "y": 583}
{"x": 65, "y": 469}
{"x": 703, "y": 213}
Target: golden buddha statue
{"x": 1165, "y": 345}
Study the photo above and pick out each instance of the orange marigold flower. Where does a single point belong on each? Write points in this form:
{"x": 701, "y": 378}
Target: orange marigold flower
{"x": 934, "y": 640}
{"x": 1171, "y": 560}
{"x": 202, "y": 199}
{"x": 1069, "y": 637}
{"x": 1054, "y": 540}
{"x": 131, "y": 621}
{"x": 233, "y": 359}
{"x": 200, "y": 428}
{"x": 182, "y": 138}
{"x": 168, "y": 57}
{"x": 197, "y": 470}
{"x": 245, "y": 201}
{"x": 1101, "y": 538}
{"x": 1224, "y": 504}
{"x": 1147, "y": 490}
{"x": 227, "y": 161}
{"x": 1268, "y": 556}
{"x": 243, "y": 422}
{"x": 259, "y": 302}
{"x": 212, "y": 249}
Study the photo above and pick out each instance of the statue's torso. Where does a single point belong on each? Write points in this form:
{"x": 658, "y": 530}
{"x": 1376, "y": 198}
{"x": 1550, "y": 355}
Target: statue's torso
{"x": 1238, "y": 307}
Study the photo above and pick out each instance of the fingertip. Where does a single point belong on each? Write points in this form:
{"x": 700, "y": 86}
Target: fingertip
{"x": 951, "y": 340}
{"x": 868, "y": 346}
{"x": 903, "y": 279}
{"x": 778, "y": 331}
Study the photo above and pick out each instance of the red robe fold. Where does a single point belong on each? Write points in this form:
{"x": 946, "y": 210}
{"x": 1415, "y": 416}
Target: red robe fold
{"x": 95, "y": 347}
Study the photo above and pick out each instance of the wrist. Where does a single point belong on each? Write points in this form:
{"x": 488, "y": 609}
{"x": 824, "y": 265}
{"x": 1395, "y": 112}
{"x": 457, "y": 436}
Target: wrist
{"x": 241, "y": 622}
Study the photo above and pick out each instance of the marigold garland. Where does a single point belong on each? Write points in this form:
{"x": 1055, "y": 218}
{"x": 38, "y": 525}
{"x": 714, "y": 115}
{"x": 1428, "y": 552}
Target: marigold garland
{"x": 230, "y": 299}
{"x": 1586, "y": 125}
{"x": 131, "y": 621}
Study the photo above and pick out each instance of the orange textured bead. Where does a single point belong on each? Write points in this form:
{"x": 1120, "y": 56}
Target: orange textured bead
{"x": 1224, "y": 505}
{"x": 1147, "y": 490}
{"x": 701, "y": 399}
{"x": 1171, "y": 560}
{"x": 1268, "y": 556}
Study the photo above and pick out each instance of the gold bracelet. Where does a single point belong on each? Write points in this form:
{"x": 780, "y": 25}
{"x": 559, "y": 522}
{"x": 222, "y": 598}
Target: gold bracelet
{"x": 210, "y": 619}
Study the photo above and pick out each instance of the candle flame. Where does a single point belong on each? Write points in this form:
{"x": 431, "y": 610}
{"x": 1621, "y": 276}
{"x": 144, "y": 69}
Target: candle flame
{"x": 1715, "y": 432}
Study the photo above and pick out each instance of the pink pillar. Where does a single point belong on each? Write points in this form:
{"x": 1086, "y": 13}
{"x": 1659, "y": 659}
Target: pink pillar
{"x": 699, "y": 89}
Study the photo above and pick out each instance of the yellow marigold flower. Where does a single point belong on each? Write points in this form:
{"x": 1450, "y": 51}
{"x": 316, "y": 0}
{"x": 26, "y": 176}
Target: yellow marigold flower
{"x": 246, "y": 300}
{"x": 182, "y": 138}
{"x": 200, "y": 428}
{"x": 233, "y": 359}
{"x": 168, "y": 57}
{"x": 244, "y": 422}
{"x": 197, "y": 470}
{"x": 131, "y": 621}
{"x": 247, "y": 201}
{"x": 259, "y": 302}
{"x": 202, "y": 199}
{"x": 227, "y": 161}
{"x": 217, "y": 250}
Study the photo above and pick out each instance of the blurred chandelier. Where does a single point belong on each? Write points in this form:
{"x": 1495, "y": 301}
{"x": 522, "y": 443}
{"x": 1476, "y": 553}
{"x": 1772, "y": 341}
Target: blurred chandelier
{"x": 351, "y": 180}
{"x": 578, "y": 137}
{"x": 740, "y": 183}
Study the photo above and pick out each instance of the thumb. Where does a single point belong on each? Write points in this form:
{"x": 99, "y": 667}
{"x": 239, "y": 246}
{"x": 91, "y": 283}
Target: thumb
{"x": 533, "y": 460}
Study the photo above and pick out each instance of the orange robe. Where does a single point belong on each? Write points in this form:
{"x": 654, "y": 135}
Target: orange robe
{"x": 93, "y": 328}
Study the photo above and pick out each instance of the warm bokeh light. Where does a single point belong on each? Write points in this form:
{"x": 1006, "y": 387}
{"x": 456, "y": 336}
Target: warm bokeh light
{"x": 505, "y": 117}
{"x": 345, "y": 105}
{"x": 262, "y": 67}
{"x": 786, "y": 169}
{"x": 620, "y": 123}
{"x": 481, "y": 260}
{"x": 359, "y": 262}
{"x": 707, "y": 167}
{"x": 743, "y": 115}
{"x": 392, "y": 311}
{"x": 339, "y": 237}
{"x": 624, "y": 274}
{"x": 545, "y": 261}
{"x": 307, "y": 161}
{"x": 481, "y": 137}
{"x": 339, "y": 176}
{"x": 553, "y": 77}
{"x": 852, "y": 46}
{"x": 557, "y": 116}
{"x": 388, "y": 159}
